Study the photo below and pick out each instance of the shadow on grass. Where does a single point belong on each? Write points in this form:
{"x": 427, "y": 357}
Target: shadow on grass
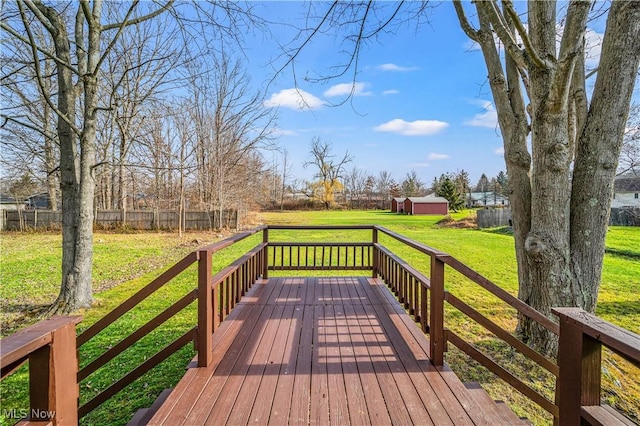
{"x": 631, "y": 255}
{"x": 19, "y": 315}
{"x": 619, "y": 308}
{"x": 503, "y": 230}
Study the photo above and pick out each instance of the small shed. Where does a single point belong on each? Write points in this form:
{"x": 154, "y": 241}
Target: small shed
{"x": 426, "y": 205}
{"x": 397, "y": 205}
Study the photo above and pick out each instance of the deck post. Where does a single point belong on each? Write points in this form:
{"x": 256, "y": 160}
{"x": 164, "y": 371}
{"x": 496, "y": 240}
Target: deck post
{"x": 53, "y": 371}
{"x": 436, "y": 314}
{"x": 265, "y": 254}
{"x": 205, "y": 309}
{"x": 374, "y": 240}
{"x": 579, "y": 362}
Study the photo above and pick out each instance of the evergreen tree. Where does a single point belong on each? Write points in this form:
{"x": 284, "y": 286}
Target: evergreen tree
{"x": 449, "y": 191}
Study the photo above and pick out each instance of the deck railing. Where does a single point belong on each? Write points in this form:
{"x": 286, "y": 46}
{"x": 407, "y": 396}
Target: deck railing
{"x": 50, "y": 348}
{"x": 424, "y": 297}
{"x": 582, "y": 336}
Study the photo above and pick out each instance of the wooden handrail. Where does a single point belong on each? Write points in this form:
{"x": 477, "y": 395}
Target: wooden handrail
{"x": 215, "y": 247}
{"x": 423, "y": 279}
{"x": 319, "y": 244}
{"x": 16, "y": 348}
{"x": 411, "y": 243}
{"x": 582, "y": 336}
{"x": 320, "y": 227}
{"x": 49, "y": 345}
{"x": 134, "y": 300}
{"x": 121, "y": 346}
{"x": 621, "y": 341}
{"x": 502, "y": 373}
{"x": 492, "y": 288}
{"x": 136, "y": 373}
{"x": 502, "y": 334}
{"x": 228, "y": 270}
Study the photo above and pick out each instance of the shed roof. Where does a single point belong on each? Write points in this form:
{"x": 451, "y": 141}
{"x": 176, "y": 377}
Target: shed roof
{"x": 427, "y": 200}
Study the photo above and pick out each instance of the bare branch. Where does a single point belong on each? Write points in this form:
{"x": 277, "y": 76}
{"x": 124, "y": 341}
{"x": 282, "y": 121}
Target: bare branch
{"x": 138, "y": 20}
{"x": 41, "y": 85}
{"x": 522, "y": 31}
{"x": 464, "y": 22}
{"x": 571, "y": 45}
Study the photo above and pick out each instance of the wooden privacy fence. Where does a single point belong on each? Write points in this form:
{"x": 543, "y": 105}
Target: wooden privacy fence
{"x": 581, "y": 335}
{"x": 16, "y": 220}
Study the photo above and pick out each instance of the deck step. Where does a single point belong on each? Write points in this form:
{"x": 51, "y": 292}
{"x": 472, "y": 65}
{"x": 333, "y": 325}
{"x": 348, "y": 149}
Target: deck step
{"x": 604, "y": 415}
{"x": 143, "y": 415}
{"x": 484, "y": 399}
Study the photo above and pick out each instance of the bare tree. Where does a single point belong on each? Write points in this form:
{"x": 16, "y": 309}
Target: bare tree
{"x": 286, "y": 173}
{"x": 81, "y": 44}
{"x": 354, "y": 183}
{"x": 412, "y": 186}
{"x": 81, "y": 37}
{"x": 329, "y": 172}
{"x": 30, "y": 143}
{"x": 383, "y": 185}
{"x": 138, "y": 73}
{"x": 232, "y": 123}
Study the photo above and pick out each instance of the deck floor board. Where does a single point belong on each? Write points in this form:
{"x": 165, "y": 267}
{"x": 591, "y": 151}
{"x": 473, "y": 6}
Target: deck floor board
{"x": 321, "y": 350}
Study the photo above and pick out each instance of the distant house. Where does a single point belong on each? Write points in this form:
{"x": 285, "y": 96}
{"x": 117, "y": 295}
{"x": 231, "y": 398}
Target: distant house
{"x": 397, "y": 205}
{"x": 486, "y": 199}
{"x": 426, "y": 205}
{"x": 10, "y": 203}
{"x": 626, "y": 192}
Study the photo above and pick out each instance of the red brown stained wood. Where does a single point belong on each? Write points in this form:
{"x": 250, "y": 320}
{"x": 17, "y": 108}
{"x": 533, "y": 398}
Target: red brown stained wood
{"x": 297, "y": 344}
{"x": 604, "y": 415}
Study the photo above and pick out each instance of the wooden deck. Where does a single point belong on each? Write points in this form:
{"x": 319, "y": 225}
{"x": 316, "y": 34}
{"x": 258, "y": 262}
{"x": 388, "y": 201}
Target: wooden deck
{"x": 334, "y": 350}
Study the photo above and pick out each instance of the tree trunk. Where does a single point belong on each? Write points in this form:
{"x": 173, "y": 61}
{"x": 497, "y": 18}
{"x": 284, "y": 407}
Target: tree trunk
{"x": 77, "y": 214}
{"x": 598, "y": 149}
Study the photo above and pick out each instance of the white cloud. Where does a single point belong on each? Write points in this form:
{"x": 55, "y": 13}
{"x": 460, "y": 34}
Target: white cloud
{"x": 294, "y": 99}
{"x": 488, "y": 118}
{"x": 499, "y": 151}
{"x": 391, "y": 92}
{"x": 436, "y": 156}
{"x": 394, "y": 67}
{"x": 412, "y": 128}
{"x": 346, "y": 89}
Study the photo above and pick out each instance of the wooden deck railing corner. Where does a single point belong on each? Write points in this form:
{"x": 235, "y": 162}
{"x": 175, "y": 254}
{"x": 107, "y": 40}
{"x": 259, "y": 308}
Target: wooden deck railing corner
{"x": 50, "y": 348}
{"x": 582, "y": 336}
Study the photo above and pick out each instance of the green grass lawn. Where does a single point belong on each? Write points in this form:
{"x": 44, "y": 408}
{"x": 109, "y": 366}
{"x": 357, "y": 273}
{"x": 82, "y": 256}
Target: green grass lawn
{"x": 29, "y": 270}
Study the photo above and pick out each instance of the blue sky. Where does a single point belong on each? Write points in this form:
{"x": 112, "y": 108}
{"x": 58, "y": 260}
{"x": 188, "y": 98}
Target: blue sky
{"x": 421, "y": 100}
